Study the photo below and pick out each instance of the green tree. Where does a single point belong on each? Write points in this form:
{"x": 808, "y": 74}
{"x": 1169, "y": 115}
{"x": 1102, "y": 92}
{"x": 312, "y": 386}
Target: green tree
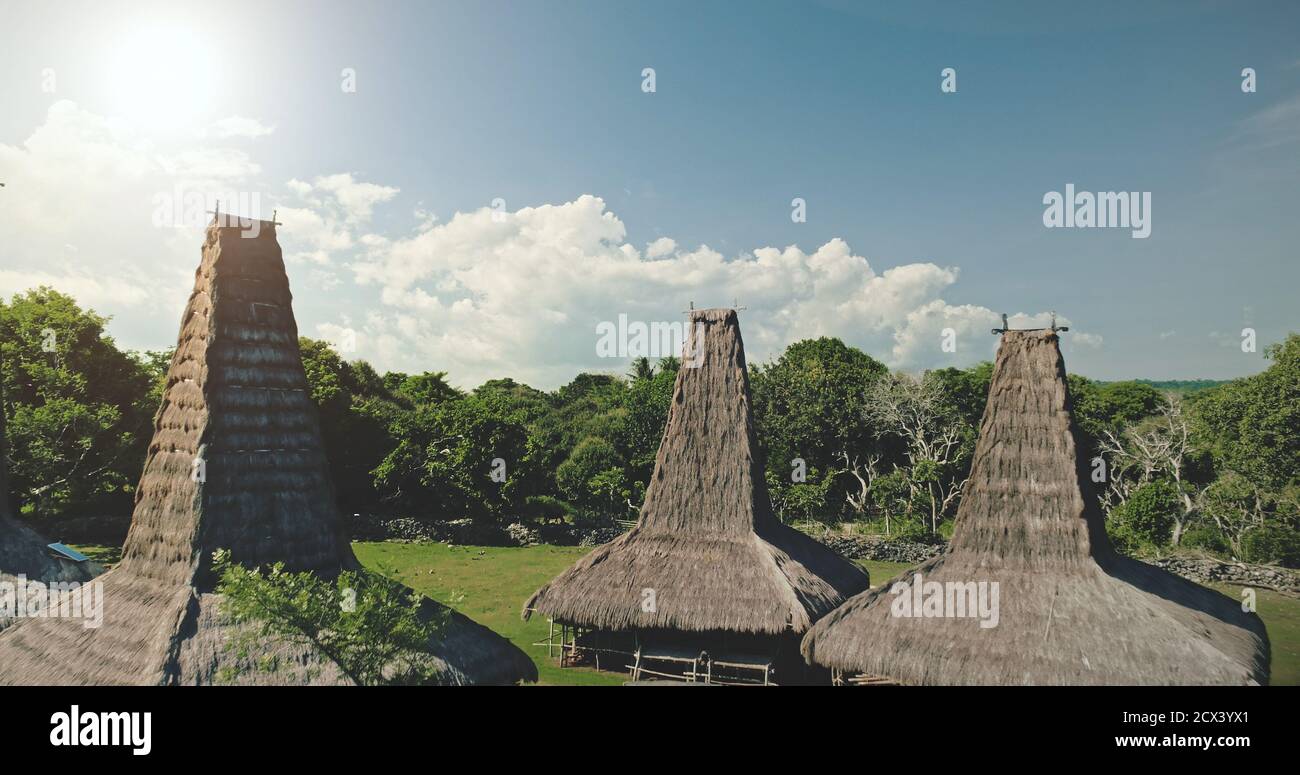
{"x": 670, "y": 363}
{"x": 1101, "y": 407}
{"x": 641, "y": 369}
{"x": 591, "y": 479}
{"x": 1147, "y": 518}
{"x": 647, "y": 403}
{"x": 430, "y": 387}
{"x": 80, "y": 410}
{"x": 967, "y": 390}
{"x": 590, "y": 405}
{"x": 446, "y": 458}
{"x": 810, "y": 404}
{"x": 530, "y": 486}
{"x": 1252, "y": 425}
{"x": 375, "y": 630}
{"x": 356, "y": 413}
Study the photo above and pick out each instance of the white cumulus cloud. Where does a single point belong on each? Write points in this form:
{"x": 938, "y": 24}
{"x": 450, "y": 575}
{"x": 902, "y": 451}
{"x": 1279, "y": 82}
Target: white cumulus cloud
{"x": 240, "y": 126}
{"x": 522, "y": 295}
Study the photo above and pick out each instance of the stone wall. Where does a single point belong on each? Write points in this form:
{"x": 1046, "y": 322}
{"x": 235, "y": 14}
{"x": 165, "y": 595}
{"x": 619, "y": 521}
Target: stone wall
{"x": 462, "y": 532}
{"x": 1208, "y": 569}
{"x": 879, "y": 548}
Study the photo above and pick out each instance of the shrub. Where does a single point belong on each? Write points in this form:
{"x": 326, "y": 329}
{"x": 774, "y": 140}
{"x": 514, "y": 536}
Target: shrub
{"x": 1272, "y": 544}
{"x": 1147, "y": 517}
{"x": 914, "y": 530}
{"x": 544, "y": 508}
{"x": 805, "y": 501}
{"x": 557, "y": 534}
{"x": 1126, "y": 541}
{"x": 1207, "y": 538}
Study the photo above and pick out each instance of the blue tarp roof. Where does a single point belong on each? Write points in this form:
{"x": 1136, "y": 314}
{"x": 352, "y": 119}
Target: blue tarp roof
{"x": 67, "y": 551}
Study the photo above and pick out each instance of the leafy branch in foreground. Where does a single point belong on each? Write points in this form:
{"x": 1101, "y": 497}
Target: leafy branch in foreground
{"x": 376, "y": 630}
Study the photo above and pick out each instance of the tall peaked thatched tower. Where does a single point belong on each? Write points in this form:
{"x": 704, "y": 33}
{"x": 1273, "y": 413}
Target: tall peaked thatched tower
{"x": 708, "y": 556}
{"x": 236, "y": 462}
{"x": 1070, "y": 609}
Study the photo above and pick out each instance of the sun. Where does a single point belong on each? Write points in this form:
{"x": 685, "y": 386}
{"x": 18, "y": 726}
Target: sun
{"x": 160, "y": 77}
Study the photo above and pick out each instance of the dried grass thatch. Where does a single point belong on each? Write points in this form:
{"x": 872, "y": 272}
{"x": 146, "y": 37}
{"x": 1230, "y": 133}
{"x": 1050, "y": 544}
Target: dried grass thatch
{"x": 237, "y": 400}
{"x": 1072, "y": 610}
{"x": 707, "y": 543}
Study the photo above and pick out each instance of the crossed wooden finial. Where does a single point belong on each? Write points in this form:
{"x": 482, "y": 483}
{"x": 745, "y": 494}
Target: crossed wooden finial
{"x": 216, "y": 215}
{"x": 1005, "y": 327}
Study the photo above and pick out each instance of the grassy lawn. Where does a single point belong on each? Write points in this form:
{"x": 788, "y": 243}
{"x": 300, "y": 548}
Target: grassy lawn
{"x": 490, "y": 583}
{"x": 1281, "y": 615}
{"x": 106, "y": 556}
{"x": 882, "y": 572}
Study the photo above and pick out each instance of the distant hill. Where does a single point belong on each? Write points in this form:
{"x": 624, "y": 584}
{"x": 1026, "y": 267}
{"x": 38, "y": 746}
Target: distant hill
{"x": 1180, "y": 385}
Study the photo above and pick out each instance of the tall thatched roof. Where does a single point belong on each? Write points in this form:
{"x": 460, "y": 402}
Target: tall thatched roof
{"x": 236, "y": 401}
{"x": 707, "y": 545}
{"x": 1072, "y": 610}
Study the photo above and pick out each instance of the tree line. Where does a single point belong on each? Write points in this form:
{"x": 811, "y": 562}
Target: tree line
{"x": 1212, "y": 467}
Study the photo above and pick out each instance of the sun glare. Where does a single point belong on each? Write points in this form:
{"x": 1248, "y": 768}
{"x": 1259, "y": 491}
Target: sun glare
{"x": 160, "y": 77}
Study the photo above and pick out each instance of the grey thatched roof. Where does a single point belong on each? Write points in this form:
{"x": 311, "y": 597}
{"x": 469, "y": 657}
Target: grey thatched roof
{"x": 1072, "y": 610}
{"x": 23, "y": 552}
{"x": 707, "y": 545}
{"x": 237, "y": 399}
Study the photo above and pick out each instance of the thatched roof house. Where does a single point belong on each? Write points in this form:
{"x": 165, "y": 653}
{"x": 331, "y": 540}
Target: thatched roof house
{"x": 24, "y": 553}
{"x": 708, "y": 554}
{"x": 1071, "y": 610}
{"x": 236, "y": 463}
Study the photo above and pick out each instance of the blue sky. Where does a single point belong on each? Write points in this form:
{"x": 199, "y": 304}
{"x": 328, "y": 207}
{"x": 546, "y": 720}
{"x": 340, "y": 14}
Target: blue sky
{"x": 540, "y": 104}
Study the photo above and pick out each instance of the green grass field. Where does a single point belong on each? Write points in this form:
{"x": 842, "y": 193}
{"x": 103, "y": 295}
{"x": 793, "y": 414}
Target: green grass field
{"x": 490, "y": 583}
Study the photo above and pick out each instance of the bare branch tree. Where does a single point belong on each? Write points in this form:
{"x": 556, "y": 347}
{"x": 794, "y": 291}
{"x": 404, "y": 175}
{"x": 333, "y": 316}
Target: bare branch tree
{"x": 916, "y": 410}
{"x": 865, "y": 473}
{"x": 1141, "y": 453}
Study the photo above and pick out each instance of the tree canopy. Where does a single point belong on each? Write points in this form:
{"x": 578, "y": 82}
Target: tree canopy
{"x": 843, "y": 438}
